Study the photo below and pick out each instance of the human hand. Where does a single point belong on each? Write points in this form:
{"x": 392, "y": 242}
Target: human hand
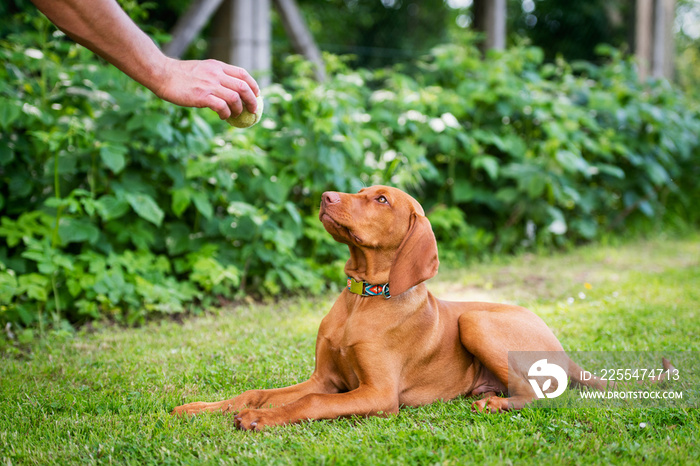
{"x": 208, "y": 83}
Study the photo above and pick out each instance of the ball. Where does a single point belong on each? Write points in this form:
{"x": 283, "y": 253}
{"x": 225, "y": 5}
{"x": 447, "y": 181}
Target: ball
{"x": 246, "y": 119}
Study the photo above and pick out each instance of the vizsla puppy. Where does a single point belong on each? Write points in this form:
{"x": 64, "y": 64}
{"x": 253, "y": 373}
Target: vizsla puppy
{"x": 387, "y": 342}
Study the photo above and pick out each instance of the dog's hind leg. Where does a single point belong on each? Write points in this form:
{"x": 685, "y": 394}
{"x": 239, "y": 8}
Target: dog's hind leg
{"x": 489, "y": 335}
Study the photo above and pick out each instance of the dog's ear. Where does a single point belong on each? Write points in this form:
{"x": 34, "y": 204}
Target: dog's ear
{"x": 416, "y": 258}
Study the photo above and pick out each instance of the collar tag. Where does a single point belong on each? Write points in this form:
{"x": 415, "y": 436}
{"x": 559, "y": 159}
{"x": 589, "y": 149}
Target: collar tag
{"x": 356, "y": 287}
{"x": 365, "y": 289}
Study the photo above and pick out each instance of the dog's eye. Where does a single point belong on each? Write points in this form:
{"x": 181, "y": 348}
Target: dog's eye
{"x": 382, "y": 200}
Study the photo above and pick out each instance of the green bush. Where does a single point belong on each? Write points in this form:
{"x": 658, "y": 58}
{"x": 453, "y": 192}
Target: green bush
{"x": 114, "y": 203}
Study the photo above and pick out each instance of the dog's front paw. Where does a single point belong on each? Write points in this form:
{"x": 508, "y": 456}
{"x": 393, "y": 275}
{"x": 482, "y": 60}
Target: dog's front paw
{"x": 257, "y": 419}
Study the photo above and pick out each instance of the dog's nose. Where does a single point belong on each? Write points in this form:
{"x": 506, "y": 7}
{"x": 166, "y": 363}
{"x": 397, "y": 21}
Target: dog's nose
{"x": 330, "y": 197}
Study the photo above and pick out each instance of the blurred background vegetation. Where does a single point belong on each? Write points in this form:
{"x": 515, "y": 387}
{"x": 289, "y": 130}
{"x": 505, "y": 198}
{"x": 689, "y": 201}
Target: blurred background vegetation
{"x": 116, "y": 205}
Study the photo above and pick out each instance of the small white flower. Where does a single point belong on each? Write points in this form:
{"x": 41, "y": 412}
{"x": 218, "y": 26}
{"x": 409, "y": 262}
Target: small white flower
{"x": 530, "y": 230}
{"x": 415, "y": 115}
{"x": 437, "y": 125}
{"x": 362, "y": 117}
{"x": 558, "y": 227}
{"x": 451, "y": 121}
{"x": 34, "y": 53}
{"x": 382, "y": 95}
{"x": 389, "y": 155}
{"x": 570, "y": 300}
{"x": 582, "y": 295}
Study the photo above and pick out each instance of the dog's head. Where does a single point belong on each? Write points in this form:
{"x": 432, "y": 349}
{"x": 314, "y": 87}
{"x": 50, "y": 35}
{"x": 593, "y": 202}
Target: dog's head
{"x": 389, "y": 237}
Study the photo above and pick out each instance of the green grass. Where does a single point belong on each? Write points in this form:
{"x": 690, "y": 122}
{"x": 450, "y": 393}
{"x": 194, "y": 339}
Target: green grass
{"x": 104, "y": 396}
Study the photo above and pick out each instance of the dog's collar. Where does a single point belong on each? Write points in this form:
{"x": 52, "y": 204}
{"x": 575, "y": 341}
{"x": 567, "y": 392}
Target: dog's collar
{"x": 365, "y": 289}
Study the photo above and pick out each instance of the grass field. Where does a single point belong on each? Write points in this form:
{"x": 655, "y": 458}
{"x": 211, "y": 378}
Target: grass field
{"x": 104, "y": 396}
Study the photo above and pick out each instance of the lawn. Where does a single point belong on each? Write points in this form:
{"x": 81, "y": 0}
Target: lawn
{"x": 103, "y": 395}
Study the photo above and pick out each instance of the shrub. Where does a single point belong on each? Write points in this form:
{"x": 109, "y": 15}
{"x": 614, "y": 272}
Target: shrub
{"x": 114, "y": 203}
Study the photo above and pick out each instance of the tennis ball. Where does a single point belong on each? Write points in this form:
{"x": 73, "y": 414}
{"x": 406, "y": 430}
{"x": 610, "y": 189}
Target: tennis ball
{"x": 246, "y": 119}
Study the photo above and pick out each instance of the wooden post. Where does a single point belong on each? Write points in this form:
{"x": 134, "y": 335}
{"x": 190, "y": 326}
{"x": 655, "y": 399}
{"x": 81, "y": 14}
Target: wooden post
{"x": 242, "y": 36}
{"x": 242, "y": 31}
{"x": 669, "y": 39}
{"x": 302, "y": 41}
{"x": 654, "y": 39}
{"x": 643, "y": 34}
{"x": 189, "y": 25}
{"x": 490, "y": 18}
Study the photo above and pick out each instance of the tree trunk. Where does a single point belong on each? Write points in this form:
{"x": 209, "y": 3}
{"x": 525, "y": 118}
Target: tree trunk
{"x": 242, "y": 36}
{"x": 490, "y": 18}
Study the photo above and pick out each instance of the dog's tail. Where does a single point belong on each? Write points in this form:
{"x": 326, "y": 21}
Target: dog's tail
{"x": 581, "y": 378}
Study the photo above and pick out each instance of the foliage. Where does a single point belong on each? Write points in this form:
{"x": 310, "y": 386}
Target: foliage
{"x": 114, "y": 203}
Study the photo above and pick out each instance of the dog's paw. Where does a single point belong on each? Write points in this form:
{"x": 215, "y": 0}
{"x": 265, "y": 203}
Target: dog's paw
{"x": 491, "y": 404}
{"x": 257, "y": 419}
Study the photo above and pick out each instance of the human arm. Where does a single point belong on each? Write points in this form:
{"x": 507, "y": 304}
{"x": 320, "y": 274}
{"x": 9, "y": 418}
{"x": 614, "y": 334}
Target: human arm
{"x": 104, "y": 28}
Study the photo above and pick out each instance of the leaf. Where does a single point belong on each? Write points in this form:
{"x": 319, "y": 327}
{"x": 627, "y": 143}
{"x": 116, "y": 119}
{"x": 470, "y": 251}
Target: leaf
{"x": 293, "y": 212}
{"x": 110, "y": 207}
{"x": 572, "y": 163}
{"x": 118, "y": 136}
{"x": 8, "y": 112}
{"x": 587, "y": 228}
{"x": 177, "y": 240}
{"x": 657, "y": 173}
{"x": 276, "y": 191}
{"x": 611, "y": 170}
{"x": 146, "y": 208}
{"x": 646, "y": 208}
{"x": 180, "y": 201}
{"x": 462, "y": 192}
{"x": 8, "y": 286}
{"x": 202, "y": 204}
{"x": 488, "y": 163}
{"x": 113, "y": 157}
{"x": 535, "y": 185}
{"x": 35, "y": 286}
{"x": 72, "y": 230}
{"x": 6, "y": 155}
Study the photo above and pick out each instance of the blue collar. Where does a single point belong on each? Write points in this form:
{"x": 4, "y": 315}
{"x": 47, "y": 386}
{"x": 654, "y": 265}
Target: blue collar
{"x": 365, "y": 289}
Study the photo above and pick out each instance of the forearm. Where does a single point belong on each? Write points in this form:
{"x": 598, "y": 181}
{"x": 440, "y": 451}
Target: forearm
{"x": 103, "y": 27}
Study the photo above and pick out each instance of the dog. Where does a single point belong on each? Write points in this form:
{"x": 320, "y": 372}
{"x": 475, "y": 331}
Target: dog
{"x": 388, "y": 342}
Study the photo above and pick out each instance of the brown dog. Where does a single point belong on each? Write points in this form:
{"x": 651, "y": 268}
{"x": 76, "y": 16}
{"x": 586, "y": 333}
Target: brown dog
{"x": 375, "y": 354}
